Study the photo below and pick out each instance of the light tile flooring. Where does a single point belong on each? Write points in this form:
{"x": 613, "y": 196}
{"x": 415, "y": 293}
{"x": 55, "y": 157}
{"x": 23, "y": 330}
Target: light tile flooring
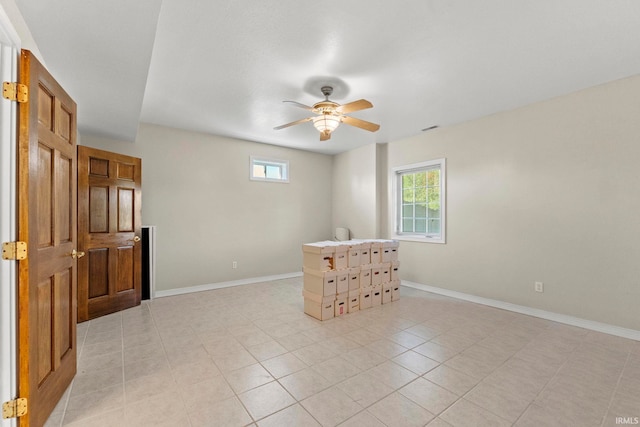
{"x": 248, "y": 355}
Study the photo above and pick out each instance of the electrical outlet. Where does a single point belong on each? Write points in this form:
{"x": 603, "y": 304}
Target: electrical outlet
{"x": 539, "y": 286}
{"x": 234, "y": 264}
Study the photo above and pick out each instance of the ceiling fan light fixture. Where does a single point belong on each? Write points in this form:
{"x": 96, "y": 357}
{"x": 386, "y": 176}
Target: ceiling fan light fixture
{"x": 330, "y": 114}
{"x": 326, "y": 123}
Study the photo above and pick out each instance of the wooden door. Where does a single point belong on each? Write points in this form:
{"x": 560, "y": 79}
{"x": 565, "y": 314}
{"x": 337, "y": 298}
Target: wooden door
{"x": 109, "y": 225}
{"x": 47, "y": 222}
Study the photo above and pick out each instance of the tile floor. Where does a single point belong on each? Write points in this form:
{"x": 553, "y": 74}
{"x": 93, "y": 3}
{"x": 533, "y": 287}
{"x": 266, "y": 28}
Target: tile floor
{"x": 248, "y": 355}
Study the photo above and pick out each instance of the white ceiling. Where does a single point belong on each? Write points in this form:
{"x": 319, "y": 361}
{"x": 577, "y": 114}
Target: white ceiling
{"x": 224, "y": 67}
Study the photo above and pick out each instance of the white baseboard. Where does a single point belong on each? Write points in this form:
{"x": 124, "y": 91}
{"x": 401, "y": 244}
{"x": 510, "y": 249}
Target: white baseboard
{"x": 220, "y": 285}
{"x": 556, "y": 317}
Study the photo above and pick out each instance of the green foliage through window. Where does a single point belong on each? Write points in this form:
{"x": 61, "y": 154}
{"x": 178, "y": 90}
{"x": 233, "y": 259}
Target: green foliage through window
{"x": 420, "y": 199}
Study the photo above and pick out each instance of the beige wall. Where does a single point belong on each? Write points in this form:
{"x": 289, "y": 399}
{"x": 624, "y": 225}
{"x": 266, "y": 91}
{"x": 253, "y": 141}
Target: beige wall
{"x": 546, "y": 193}
{"x": 196, "y": 190}
{"x": 354, "y": 192}
{"x": 549, "y": 192}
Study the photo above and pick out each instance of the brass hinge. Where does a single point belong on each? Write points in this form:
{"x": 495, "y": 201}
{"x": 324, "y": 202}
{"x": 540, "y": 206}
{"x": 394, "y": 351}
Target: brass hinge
{"x": 15, "y": 91}
{"x": 14, "y": 250}
{"x": 14, "y": 408}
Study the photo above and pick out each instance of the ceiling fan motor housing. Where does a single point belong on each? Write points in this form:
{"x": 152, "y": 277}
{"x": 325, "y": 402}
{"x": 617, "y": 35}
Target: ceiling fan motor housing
{"x": 326, "y": 107}
{"x": 326, "y": 91}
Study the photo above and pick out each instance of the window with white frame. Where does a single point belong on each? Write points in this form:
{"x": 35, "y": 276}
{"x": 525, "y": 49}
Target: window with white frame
{"x": 262, "y": 169}
{"x": 420, "y": 201}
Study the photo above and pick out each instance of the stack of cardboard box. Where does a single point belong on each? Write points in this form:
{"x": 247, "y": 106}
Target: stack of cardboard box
{"x": 344, "y": 277}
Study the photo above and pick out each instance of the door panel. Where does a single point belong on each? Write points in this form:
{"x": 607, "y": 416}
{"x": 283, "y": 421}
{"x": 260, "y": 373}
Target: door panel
{"x": 64, "y": 295}
{"x": 64, "y": 122}
{"x": 47, "y": 222}
{"x": 63, "y": 171}
{"x": 45, "y": 107}
{"x": 126, "y": 259}
{"x": 99, "y": 209}
{"x": 44, "y": 324}
{"x": 125, "y": 209}
{"x": 98, "y": 167}
{"x": 99, "y": 272}
{"x": 109, "y": 208}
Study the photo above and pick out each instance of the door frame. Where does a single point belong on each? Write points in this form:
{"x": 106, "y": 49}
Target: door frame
{"x": 10, "y": 53}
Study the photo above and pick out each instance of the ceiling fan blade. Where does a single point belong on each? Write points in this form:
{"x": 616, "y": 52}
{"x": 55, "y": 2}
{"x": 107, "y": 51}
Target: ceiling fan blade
{"x": 362, "y": 124}
{"x": 297, "y": 104}
{"x": 361, "y": 104}
{"x": 297, "y": 122}
{"x": 324, "y": 136}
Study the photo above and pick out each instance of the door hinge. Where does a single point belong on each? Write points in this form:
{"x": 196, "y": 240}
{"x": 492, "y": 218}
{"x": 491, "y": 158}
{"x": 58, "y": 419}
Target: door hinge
{"x": 14, "y": 408}
{"x": 15, "y": 91}
{"x": 14, "y": 251}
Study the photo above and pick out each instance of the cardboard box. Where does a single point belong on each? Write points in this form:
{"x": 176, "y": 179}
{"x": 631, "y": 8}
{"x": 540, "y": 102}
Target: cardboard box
{"x": 382, "y": 250}
{"x": 394, "y": 253}
{"x": 395, "y": 266}
{"x": 376, "y": 295}
{"x": 376, "y": 274}
{"x": 365, "y": 253}
{"x": 365, "y": 276}
{"x": 388, "y": 249}
{"x": 340, "y": 257}
{"x": 376, "y": 252}
{"x": 342, "y": 281}
{"x": 395, "y": 292}
{"x": 365, "y": 298}
{"x": 320, "y": 282}
{"x": 341, "y": 304}
{"x": 366, "y": 289}
{"x": 385, "y": 272}
{"x": 354, "y": 278}
{"x": 353, "y": 252}
{"x": 318, "y": 256}
{"x": 337, "y": 250}
{"x": 385, "y": 255}
{"x": 387, "y": 289}
{"x": 354, "y": 257}
{"x": 387, "y": 243}
{"x": 353, "y": 302}
{"x": 322, "y": 308}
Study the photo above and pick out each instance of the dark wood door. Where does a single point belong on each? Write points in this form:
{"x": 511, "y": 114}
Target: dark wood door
{"x": 47, "y": 222}
{"x": 109, "y": 226}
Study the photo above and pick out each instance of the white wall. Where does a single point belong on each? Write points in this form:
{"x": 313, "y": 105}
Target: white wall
{"x": 26, "y": 39}
{"x": 355, "y": 192}
{"x": 196, "y": 190}
{"x": 549, "y": 192}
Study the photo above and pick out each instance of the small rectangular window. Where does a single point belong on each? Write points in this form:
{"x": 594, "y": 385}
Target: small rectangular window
{"x": 420, "y": 201}
{"x": 262, "y": 169}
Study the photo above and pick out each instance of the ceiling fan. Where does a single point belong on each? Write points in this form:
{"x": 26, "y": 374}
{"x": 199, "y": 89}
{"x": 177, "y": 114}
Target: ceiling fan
{"x": 331, "y": 114}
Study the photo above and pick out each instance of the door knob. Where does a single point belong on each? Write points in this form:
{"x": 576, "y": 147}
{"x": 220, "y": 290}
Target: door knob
{"x": 76, "y": 254}
{"x": 136, "y": 239}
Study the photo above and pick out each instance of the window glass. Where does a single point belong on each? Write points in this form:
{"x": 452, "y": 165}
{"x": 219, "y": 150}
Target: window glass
{"x": 258, "y": 171}
{"x": 262, "y": 169}
{"x": 419, "y": 202}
